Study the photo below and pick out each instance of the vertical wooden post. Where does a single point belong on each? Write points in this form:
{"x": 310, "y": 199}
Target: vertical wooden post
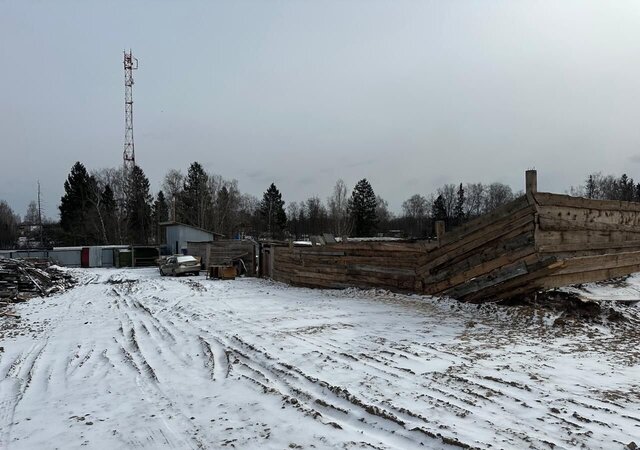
{"x": 272, "y": 257}
{"x": 439, "y": 230}
{"x": 531, "y": 182}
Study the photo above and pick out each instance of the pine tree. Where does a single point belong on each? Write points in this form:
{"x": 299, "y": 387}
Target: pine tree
{"x": 272, "y": 211}
{"x": 626, "y": 188}
{"x": 196, "y": 198}
{"x": 138, "y": 207}
{"x": 458, "y": 211}
{"x": 109, "y": 213}
{"x": 439, "y": 211}
{"x": 591, "y": 187}
{"x": 160, "y": 214}
{"x": 8, "y": 226}
{"x": 362, "y": 209}
{"x": 75, "y": 205}
{"x": 224, "y": 211}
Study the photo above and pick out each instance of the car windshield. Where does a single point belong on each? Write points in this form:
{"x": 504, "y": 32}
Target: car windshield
{"x": 184, "y": 259}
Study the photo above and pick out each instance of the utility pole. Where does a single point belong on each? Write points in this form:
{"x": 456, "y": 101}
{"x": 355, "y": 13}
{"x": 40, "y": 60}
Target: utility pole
{"x": 40, "y": 217}
{"x": 129, "y": 155}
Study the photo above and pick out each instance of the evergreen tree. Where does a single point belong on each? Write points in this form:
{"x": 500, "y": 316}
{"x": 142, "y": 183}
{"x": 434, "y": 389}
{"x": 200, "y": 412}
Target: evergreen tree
{"x": 160, "y": 214}
{"x": 626, "y": 188}
{"x": 590, "y": 187}
{"x": 272, "y": 211}
{"x": 109, "y": 213}
{"x": 224, "y": 211}
{"x": 458, "y": 211}
{"x": 8, "y": 226}
{"x": 196, "y": 198}
{"x": 362, "y": 209}
{"x": 75, "y": 205}
{"x": 439, "y": 211}
{"x": 138, "y": 207}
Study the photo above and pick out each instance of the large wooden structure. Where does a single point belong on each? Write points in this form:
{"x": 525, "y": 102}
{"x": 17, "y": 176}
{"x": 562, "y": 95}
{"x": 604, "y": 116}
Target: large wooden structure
{"x": 538, "y": 241}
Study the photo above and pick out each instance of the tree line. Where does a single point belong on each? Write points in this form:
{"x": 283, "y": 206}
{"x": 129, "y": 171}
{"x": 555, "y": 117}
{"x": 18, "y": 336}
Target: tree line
{"x": 109, "y": 206}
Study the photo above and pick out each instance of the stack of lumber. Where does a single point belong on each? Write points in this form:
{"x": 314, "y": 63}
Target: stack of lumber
{"x": 229, "y": 253}
{"x": 388, "y": 265}
{"x": 22, "y": 279}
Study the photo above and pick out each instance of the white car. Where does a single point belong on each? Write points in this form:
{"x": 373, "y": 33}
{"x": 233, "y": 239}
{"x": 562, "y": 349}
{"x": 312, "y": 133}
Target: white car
{"x": 180, "y": 265}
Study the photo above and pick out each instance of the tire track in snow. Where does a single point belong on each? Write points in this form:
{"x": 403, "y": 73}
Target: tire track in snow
{"x": 13, "y": 387}
{"x": 157, "y": 339}
{"x": 331, "y": 405}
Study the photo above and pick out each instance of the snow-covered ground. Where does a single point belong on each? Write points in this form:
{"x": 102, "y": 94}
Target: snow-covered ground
{"x": 128, "y": 359}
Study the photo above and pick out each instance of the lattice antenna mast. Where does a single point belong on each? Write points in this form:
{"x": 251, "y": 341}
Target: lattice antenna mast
{"x": 129, "y": 154}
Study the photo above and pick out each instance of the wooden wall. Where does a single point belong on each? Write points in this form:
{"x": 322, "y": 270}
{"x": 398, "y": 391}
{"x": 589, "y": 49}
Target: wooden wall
{"x": 388, "y": 265}
{"x": 593, "y": 239}
{"x": 538, "y": 241}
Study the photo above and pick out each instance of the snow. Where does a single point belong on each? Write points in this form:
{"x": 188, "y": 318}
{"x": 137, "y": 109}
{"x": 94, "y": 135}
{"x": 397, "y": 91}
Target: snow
{"x": 184, "y": 259}
{"x": 131, "y": 360}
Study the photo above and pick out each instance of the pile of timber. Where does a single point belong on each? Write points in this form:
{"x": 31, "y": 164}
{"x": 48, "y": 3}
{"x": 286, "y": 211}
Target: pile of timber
{"x": 537, "y": 242}
{"x": 230, "y": 252}
{"x": 21, "y": 279}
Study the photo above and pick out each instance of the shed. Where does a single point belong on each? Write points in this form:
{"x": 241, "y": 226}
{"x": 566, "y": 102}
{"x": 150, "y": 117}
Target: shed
{"x": 176, "y": 235}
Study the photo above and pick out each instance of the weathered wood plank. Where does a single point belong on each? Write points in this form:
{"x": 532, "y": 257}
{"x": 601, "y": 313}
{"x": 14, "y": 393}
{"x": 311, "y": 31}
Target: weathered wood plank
{"x": 582, "y": 247}
{"x": 548, "y": 199}
{"x": 430, "y": 286}
{"x": 600, "y": 262}
{"x": 507, "y": 231}
{"x": 550, "y": 238}
{"x": 491, "y": 279}
{"x": 555, "y": 281}
{"x": 518, "y": 285}
{"x": 491, "y": 250}
{"x": 504, "y": 212}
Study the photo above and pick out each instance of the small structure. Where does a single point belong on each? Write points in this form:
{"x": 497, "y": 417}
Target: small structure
{"x": 238, "y": 253}
{"x": 177, "y": 235}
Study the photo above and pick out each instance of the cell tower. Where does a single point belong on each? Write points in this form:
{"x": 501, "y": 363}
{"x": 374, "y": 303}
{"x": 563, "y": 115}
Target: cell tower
{"x": 129, "y": 154}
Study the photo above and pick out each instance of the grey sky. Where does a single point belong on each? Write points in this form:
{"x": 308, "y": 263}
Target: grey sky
{"x": 409, "y": 94}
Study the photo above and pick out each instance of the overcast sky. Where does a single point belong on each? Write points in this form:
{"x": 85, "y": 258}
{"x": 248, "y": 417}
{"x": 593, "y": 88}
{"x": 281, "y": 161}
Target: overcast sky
{"x": 409, "y": 94}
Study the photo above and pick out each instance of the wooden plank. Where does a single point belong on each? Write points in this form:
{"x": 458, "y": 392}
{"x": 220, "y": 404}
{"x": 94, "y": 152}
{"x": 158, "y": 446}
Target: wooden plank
{"x": 575, "y": 213}
{"x": 552, "y": 238}
{"x": 491, "y": 250}
{"x": 476, "y": 286}
{"x": 555, "y": 281}
{"x": 548, "y": 199}
{"x": 577, "y": 247}
{"x": 508, "y": 230}
{"x": 430, "y": 286}
{"x": 518, "y": 285}
{"x": 504, "y": 212}
{"x": 548, "y": 223}
{"x": 488, "y": 232}
{"x": 607, "y": 261}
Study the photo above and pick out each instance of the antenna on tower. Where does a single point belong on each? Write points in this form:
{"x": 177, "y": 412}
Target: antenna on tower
{"x": 129, "y": 154}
